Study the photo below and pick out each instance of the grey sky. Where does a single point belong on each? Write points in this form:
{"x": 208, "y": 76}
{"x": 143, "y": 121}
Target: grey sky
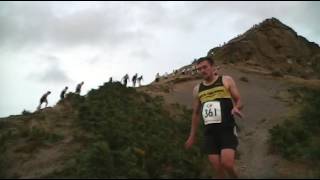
{"x": 51, "y": 72}
{"x": 49, "y": 45}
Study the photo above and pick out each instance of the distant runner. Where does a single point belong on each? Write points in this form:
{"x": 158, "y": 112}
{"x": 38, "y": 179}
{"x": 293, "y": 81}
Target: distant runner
{"x": 63, "y": 92}
{"x": 139, "y": 80}
{"x": 157, "y": 77}
{"x": 213, "y": 101}
{"x": 44, "y": 99}
{"x": 125, "y": 79}
{"x": 134, "y": 80}
{"x": 78, "y": 89}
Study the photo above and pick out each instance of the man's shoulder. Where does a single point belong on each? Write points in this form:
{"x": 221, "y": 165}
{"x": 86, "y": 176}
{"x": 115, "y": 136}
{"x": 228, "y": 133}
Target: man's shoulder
{"x": 228, "y": 81}
{"x": 197, "y": 85}
{"x": 227, "y": 78}
{"x": 196, "y": 89}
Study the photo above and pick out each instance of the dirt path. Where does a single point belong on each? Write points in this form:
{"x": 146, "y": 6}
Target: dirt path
{"x": 262, "y": 111}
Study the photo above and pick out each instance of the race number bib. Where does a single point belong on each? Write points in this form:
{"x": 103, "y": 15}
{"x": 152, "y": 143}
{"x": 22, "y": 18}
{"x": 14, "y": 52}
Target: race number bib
{"x": 211, "y": 112}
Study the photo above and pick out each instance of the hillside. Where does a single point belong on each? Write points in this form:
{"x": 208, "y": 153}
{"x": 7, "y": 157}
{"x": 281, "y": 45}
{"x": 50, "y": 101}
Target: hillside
{"x": 268, "y": 62}
{"x": 268, "y": 102}
{"x": 274, "y": 47}
{"x": 112, "y": 132}
{"x": 120, "y": 132}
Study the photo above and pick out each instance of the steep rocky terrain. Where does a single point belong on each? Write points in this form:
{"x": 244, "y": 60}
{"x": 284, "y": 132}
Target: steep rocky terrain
{"x": 272, "y": 46}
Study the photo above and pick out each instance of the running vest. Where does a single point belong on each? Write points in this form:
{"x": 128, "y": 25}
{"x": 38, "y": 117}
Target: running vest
{"x": 216, "y": 104}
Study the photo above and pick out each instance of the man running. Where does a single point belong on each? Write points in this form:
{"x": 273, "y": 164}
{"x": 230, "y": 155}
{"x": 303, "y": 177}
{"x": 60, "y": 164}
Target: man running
{"x": 125, "y": 79}
{"x": 157, "y": 77}
{"x": 134, "y": 80}
{"x": 213, "y": 100}
{"x": 78, "y": 89}
{"x": 139, "y": 80}
{"x": 63, "y": 93}
{"x": 44, "y": 99}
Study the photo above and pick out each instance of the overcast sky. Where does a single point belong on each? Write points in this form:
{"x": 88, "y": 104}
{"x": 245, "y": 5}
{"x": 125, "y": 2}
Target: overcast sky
{"x": 50, "y": 45}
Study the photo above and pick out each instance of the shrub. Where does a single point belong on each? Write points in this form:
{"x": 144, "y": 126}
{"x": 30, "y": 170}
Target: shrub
{"x": 297, "y": 138}
{"x": 25, "y": 112}
{"x": 132, "y": 136}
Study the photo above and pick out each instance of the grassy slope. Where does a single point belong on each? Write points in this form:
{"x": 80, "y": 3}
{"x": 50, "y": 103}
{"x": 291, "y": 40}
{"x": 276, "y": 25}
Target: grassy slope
{"x": 119, "y": 132}
{"x": 297, "y": 139}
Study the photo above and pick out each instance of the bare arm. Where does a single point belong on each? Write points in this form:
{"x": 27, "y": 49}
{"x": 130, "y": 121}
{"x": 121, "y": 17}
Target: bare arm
{"x": 235, "y": 94}
{"x": 195, "y": 118}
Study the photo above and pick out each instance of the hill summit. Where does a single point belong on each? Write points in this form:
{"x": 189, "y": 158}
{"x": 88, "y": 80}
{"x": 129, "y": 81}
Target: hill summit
{"x": 273, "y": 46}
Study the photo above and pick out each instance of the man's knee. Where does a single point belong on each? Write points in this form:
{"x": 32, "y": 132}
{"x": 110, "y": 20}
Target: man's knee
{"x": 216, "y": 165}
{"x": 215, "y": 161}
{"x": 228, "y": 165}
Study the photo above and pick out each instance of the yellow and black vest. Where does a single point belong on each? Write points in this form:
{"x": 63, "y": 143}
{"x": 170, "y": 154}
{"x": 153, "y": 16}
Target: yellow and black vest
{"x": 217, "y": 93}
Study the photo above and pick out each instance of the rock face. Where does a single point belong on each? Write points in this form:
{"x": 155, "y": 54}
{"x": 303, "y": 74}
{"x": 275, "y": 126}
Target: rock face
{"x": 273, "y": 46}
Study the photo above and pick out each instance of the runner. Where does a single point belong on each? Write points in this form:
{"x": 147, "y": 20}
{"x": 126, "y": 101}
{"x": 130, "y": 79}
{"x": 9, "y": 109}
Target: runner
{"x": 44, "y": 99}
{"x": 78, "y": 89}
{"x": 125, "y": 79}
{"x": 213, "y": 100}
{"x": 134, "y": 80}
{"x": 139, "y": 80}
{"x": 157, "y": 77}
{"x": 63, "y": 93}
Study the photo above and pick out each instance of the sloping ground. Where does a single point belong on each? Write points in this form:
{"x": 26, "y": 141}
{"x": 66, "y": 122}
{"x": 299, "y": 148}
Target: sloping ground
{"x": 266, "y": 101}
{"x": 273, "y": 46}
{"x": 84, "y": 135}
{"x": 41, "y": 142}
{"x": 112, "y": 132}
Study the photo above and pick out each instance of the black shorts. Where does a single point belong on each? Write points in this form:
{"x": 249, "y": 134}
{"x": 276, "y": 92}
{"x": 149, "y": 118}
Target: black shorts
{"x": 43, "y": 101}
{"x": 218, "y": 138}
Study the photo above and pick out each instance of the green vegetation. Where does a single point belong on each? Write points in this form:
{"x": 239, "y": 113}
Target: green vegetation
{"x": 41, "y": 135}
{"x": 128, "y": 134}
{"x": 299, "y": 138}
{"x": 25, "y": 112}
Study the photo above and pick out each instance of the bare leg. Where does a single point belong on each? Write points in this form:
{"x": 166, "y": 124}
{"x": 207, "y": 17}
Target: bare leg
{"x": 215, "y": 162}
{"x": 227, "y": 161}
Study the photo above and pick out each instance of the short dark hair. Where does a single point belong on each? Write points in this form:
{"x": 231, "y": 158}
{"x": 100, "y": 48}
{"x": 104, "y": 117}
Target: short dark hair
{"x": 210, "y": 60}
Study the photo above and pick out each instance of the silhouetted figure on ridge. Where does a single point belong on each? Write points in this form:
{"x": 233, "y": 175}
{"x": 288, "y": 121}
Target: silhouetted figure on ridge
{"x": 78, "y": 89}
{"x": 139, "y": 80}
{"x": 44, "y": 99}
{"x": 134, "y": 80}
{"x": 125, "y": 79}
{"x": 62, "y": 94}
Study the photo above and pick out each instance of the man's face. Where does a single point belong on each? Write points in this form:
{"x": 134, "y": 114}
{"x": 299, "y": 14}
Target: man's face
{"x": 205, "y": 69}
